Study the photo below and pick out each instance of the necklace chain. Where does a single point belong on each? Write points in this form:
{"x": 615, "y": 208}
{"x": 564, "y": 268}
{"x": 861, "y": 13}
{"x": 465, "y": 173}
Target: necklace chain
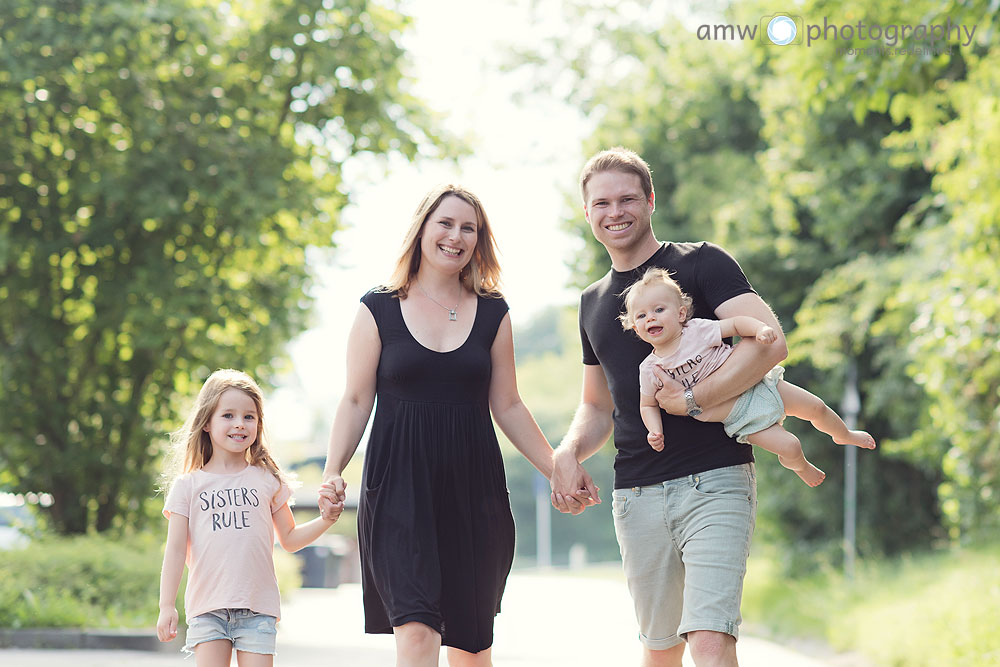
{"x": 452, "y": 312}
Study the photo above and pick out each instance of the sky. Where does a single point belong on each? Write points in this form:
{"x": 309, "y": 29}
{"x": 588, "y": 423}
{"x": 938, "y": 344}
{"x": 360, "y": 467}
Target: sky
{"x": 527, "y": 156}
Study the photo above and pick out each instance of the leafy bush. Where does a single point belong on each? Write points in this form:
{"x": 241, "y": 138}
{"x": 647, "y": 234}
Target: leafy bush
{"x": 94, "y": 581}
{"x": 88, "y": 581}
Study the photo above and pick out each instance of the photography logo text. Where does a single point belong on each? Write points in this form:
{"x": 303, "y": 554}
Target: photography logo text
{"x": 862, "y": 38}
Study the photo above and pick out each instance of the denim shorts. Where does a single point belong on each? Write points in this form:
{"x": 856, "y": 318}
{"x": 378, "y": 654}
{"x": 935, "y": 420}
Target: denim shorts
{"x": 684, "y": 545}
{"x": 247, "y": 630}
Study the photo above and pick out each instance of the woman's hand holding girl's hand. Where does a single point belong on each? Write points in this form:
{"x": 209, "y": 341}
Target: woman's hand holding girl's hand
{"x": 332, "y": 495}
{"x": 329, "y": 510}
{"x": 335, "y": 487}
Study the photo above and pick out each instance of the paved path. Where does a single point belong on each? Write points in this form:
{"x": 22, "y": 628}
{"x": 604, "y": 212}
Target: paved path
{"x": 323, "y": 627}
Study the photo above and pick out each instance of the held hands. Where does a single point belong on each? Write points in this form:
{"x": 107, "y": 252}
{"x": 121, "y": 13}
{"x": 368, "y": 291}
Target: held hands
{"x": 655, "y": 441}
{"x": 166, "y": 624}
{"x": 332, "y": 495}
{"x": 573, "y": 490}
{"x": 766, "y": 335}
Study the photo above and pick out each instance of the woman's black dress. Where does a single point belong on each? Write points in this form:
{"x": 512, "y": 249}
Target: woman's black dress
{"x": 434, "y": 521}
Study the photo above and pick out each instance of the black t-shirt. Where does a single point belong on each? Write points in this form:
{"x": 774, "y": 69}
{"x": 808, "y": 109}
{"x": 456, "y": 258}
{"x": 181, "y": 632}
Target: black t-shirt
{"x": 710, "y": 276}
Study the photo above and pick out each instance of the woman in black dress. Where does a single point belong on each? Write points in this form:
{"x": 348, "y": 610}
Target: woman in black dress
{"x": 434, "y": 523}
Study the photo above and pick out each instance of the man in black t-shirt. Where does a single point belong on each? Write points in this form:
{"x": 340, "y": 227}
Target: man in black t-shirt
{"x": 683, "y": 516}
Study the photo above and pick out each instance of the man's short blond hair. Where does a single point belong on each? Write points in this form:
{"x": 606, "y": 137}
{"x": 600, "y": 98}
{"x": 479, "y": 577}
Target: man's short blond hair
{"x": 621, "y": 159}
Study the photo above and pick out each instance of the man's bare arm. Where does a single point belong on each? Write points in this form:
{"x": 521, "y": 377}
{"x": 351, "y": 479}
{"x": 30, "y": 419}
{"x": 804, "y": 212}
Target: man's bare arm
{"x": 749, "y": 362}
{"x": 592, "y": 423}
{"x": 590, "y": 429}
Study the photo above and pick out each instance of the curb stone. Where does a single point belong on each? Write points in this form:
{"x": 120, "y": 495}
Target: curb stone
{"x": 139, "y": 639}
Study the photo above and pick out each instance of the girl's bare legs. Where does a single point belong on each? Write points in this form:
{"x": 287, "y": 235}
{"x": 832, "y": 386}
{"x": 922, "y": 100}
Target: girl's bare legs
{"x": 777, "y": 440}
{"x": 417, "y": 645}
{"x": 800, "y": 403}
{"x": 459, "y": 658}
{"x": 216, "y": 653}
{"x": 248, "y": 659}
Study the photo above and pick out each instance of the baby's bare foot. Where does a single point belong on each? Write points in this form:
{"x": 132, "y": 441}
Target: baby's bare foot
{"x": 859, "y": 439}
{"x": 811, "y": 475}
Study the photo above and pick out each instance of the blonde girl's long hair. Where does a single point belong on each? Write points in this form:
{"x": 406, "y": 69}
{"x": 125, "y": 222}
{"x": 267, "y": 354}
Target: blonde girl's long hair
{"x": 481, "y": 275}
{"x": 191, "y": 445}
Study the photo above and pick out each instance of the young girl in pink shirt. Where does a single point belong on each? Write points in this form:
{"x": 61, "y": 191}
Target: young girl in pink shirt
{"x": 688, "y": 350}
{"x": 224, "y": 512}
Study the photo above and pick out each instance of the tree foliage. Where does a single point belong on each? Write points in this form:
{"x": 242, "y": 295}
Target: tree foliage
{"x": 925, "y": 302}
{"x": 856, "y": 192}
{"x": 166, "y": 166}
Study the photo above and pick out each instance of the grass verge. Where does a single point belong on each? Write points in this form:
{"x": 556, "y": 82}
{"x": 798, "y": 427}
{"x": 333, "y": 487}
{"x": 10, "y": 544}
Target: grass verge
{"x": 934, "y": 609}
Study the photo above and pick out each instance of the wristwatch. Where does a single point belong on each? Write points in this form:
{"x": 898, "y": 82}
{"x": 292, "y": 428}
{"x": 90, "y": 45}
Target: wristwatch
{"x": 693, "y": 409}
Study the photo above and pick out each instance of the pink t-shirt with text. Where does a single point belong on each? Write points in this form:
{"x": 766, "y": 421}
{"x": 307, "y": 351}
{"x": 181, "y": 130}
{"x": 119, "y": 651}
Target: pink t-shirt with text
{"x": 230, "y": 538}
{"x": 699, "y": 354}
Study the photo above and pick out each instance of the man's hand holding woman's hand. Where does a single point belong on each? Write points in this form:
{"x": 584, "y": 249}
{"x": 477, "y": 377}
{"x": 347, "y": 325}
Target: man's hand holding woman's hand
{"x": 332, "y": 495}
{"x": 573, "y": 490}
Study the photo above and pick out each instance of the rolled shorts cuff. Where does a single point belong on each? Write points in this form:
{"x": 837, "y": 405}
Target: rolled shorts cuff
{"x": 660, "y": 644}
{"x": 731, "y": 628}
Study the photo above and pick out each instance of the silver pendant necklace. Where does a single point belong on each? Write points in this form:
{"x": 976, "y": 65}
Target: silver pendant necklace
{"x": 452, "y": 312}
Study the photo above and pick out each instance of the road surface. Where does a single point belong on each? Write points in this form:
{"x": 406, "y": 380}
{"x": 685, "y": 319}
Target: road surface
{"x": 548, "y": 620}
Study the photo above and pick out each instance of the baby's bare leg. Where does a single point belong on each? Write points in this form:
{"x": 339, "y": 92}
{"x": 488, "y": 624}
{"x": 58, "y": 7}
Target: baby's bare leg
{"x": 804, "y": 405}
{"x": 717, "y": 413}
{"x": 777, "y": 440}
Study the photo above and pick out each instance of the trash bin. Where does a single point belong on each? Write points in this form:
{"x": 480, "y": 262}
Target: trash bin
{"x": 320, "y": 567}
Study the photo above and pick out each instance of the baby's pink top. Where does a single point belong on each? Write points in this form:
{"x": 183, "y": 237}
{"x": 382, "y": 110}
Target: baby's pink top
{"x": 230, "y": 539}
{"x": 700, "y": 353}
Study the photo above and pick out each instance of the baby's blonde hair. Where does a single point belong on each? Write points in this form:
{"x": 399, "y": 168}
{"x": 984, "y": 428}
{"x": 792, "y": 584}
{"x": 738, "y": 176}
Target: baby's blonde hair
{"x": 191, "y": 445}
{"x": 653, "y": 276}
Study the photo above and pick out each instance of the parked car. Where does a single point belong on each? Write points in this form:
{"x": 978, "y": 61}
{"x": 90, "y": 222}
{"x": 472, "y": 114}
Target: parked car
{"x": 14, "y": 518}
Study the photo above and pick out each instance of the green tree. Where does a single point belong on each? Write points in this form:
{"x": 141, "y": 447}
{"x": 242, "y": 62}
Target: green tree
{"x": 166, "y": 167}
{"x": 931, "y": 299}
{"x": 834, "y": 192}
{"x": 835, "y": 181}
